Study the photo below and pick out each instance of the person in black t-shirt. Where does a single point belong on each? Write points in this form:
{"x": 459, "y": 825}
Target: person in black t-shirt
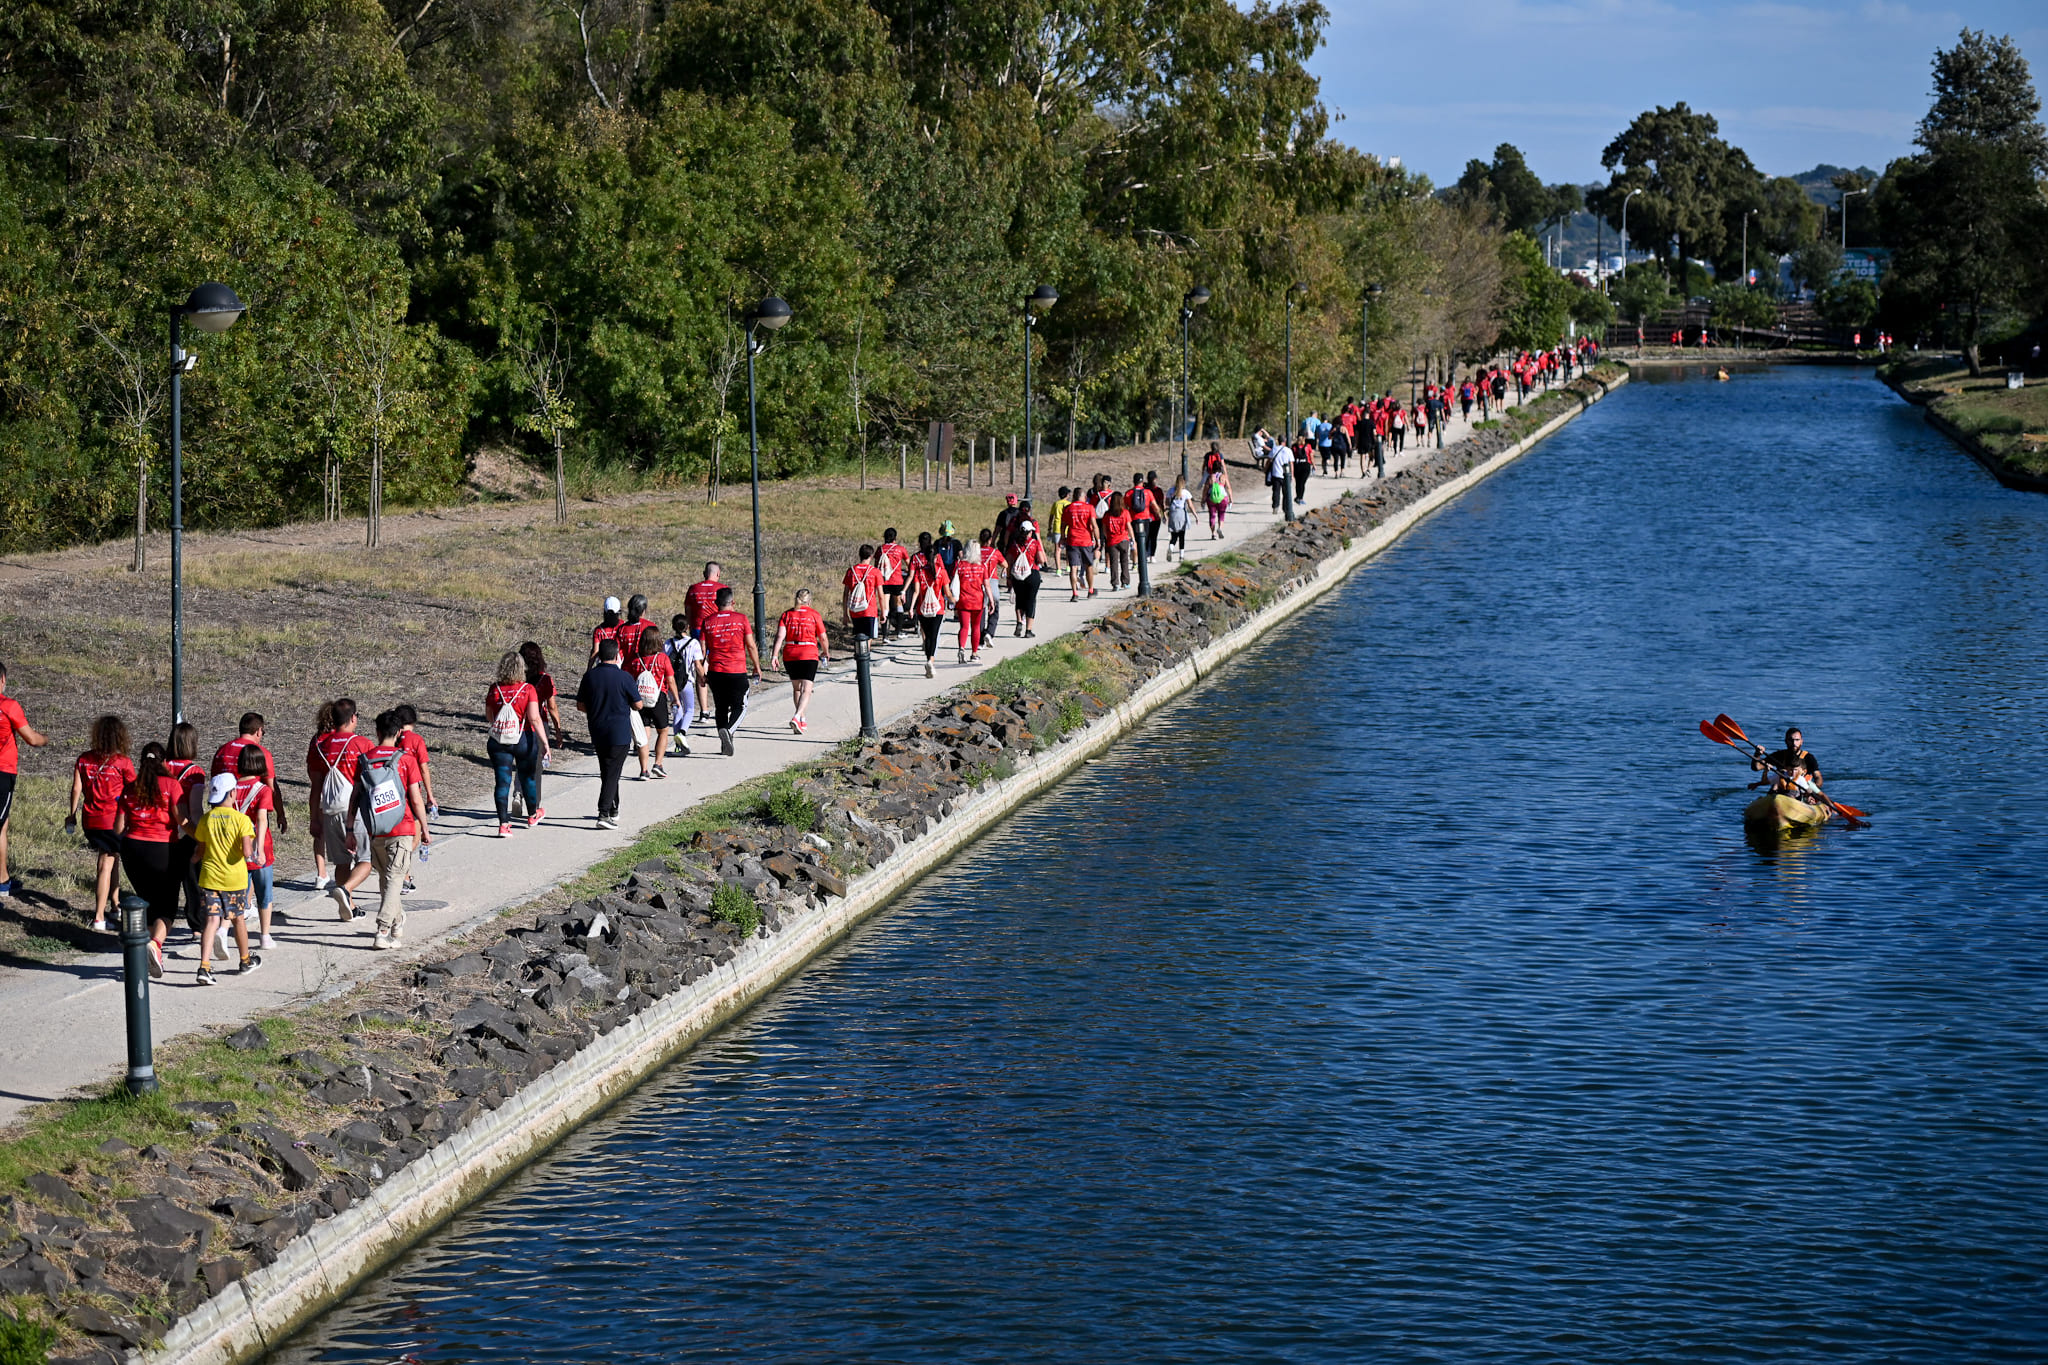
{"x": 1794, "y": 758}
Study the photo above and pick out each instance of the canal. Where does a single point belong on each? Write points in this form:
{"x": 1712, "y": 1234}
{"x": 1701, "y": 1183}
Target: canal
{"x": 1409, "y": 991}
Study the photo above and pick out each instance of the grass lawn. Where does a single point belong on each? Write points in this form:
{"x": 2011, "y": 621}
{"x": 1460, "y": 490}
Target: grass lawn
{"x": 2010, "y": 423}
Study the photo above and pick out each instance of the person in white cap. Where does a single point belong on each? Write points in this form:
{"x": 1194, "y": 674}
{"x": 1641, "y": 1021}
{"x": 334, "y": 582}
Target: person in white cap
{"x": 223, "y": 843}
{"x": 608, "y": 629}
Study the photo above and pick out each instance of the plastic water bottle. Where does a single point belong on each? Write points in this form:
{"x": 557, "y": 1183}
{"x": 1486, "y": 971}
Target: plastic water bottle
{"x": 426, "y": 852}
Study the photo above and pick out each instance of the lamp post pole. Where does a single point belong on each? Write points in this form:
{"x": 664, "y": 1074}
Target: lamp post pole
{"x": 212, "y": 308}
{"x": 1288, "y": 349}
{"x": 177, "y": 528}
{"x": 770, "y": 313}
{"x": 1194, "y": 299}
{"x": 1624, "y": 229}
{"x": 1845, "y": 214}
{"x": 1372, "y": 294}
{"x": 1042, "y": 299}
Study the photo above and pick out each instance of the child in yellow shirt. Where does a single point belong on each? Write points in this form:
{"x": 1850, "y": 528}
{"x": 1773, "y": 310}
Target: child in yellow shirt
{"x": 223, "y": 843}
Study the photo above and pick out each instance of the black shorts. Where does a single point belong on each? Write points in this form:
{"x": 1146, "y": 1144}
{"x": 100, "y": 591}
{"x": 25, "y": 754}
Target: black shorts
{"x": 103, "y": 841}
{"x": 1081, "y": 556}
{"x": 801, "y": 670}
{"x": 655, "y": 717}
{"x": 867, "y": 627}
{"x": 6, "y": 797}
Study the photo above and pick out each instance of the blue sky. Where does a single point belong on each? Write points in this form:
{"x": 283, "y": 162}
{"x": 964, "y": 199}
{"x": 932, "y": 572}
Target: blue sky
{"x": 1793, "y": 84}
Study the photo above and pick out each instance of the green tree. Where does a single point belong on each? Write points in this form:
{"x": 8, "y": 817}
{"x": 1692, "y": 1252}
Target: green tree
{"x": 1816, "y": 263}
{"x": 1688, "y": 177}
{"x": 1641, "y": 293}
{"x": 1966, "y": 215}
{"x": 1849, "y": 302}
{"x": 1538, "y": 298}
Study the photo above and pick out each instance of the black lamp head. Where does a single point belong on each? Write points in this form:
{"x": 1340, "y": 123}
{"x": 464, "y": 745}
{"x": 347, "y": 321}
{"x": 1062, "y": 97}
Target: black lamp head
{"x": 770, "y": 313}
{"x": 213, "y": 307}
{"x": 1043, "y": 298}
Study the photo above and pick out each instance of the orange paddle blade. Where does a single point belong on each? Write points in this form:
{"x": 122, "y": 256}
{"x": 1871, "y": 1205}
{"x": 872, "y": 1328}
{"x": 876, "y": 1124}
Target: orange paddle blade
{"x": 1848, "y": 810}
{"x": 1727, "y": 723}
{"x": 1717, "y": 734}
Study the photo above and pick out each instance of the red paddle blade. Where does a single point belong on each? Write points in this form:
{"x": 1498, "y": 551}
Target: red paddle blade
{"x": 1714, "y": 732}
{"x": 1727, "y": 723}
{"x": 1850, "y": 811}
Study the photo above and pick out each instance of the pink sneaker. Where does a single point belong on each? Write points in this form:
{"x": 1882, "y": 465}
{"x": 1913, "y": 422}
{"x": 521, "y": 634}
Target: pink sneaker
{"x": 540, "y": 813}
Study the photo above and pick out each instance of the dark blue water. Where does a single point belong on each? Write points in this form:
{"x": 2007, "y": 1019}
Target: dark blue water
{"x": 1409, "y": 992}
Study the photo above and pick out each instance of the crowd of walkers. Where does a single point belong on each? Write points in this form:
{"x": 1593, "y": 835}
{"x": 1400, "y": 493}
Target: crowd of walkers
{"x": 196, "y": 840}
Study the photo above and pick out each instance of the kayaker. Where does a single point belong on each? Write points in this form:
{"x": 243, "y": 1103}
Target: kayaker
{"x": 1794, "y": 760}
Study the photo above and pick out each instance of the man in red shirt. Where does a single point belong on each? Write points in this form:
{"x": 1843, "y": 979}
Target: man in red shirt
{"x": 893, "y": 559}
{"x": 13, "y": 722}
{"x": 800, "y": 646}
{"x": 331, "y": 762}
{"x": 1078, "y": 535}
{"x": 391, "y": 854}
{"x": 699, "y": 602}
{"x": 730, "y": 656}
{"x": 862, "y": 598}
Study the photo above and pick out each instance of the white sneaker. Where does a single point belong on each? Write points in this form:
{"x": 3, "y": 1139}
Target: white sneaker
{"x": 928, "y": 669}
{"x": 382, "y": 940}
{"x": 269, "y": 942}
{"x": 324, "y": 884}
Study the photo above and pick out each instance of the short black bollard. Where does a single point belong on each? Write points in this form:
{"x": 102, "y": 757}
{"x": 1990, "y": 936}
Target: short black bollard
{"x": 135, "y": 979}
{"x": 864, "y": 678}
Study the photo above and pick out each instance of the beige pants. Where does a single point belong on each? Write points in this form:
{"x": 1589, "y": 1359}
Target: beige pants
{"x": 392, "y": 857}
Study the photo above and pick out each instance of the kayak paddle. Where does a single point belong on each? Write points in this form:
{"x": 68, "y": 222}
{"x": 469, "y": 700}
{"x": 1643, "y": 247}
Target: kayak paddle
{"x": 1720, "y": 729}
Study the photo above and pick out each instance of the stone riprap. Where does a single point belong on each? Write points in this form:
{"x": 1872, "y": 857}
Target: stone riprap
{"x": 116, "y": 1247}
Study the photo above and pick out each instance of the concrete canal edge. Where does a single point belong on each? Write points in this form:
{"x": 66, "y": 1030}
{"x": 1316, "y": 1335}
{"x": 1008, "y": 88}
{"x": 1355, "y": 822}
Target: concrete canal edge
{"x": 318, "y": 1270}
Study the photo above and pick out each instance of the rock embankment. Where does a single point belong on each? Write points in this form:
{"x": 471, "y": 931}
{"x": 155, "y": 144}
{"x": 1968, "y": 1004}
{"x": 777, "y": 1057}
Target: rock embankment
{"x": 113, "y": 1247}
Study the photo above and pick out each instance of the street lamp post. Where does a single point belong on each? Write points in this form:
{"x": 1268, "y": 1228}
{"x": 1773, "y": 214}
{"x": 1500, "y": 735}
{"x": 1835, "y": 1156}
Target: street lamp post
{"x": 1298, "y": 287}
{"x": 1194, "y": 299}
{"x": 212, "y": 308}
{"x": 1845, "y": 214}
{"x": 770, "y": 313}
{"x": 1624, "y": 229}
{"x": 1372, "y": 296}
{"x": 1041, "y": 300}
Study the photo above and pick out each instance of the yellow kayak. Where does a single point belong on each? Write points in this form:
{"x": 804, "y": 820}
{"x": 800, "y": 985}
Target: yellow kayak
{"x": 1776, "y": 810}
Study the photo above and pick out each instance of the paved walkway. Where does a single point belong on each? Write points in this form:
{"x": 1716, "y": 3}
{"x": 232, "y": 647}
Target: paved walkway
{"x": 62, "y": 1023}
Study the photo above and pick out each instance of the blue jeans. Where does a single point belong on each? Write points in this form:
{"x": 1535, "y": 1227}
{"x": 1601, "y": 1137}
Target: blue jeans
{"x": 524, "y": 759}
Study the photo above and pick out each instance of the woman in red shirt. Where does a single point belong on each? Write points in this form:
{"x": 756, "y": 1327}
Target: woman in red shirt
{"x": 183, "y": 764}
{"x": 801, "y": 646}
{"x": 1116, "y": 540}
{"x": 101, "y": 775}
{"x": 657, "y": 717}
{"x": 149, "y": 819}
{"x": 925, "y": 584}
{"x": 972, "y": 575}
{"x": 517, "y": 745}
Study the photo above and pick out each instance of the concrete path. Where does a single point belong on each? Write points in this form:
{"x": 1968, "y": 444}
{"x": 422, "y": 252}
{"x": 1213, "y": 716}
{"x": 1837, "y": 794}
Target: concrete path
{"x": 62, "y": 1024}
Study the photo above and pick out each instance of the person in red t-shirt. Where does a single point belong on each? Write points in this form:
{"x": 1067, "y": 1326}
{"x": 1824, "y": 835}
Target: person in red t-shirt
{"x": 698, "y": 604}
{"x": 631, "y": 629}
{"x": 391, "y": 854}
{"x": 519, "y": 756}
{"x": 730, "y": 656}
{"x": 253, "y": 797}
{"x": 925, "y": 584}
{"x": 334, "y": 754}
{"x": 974, "y": 577}
{"x": 149, "y": 817}
{"x": 702, "y": 598}
{"x": 658, "y": 715}
{"x": 101, "y": 774}
{"x": 605, "y": 629}
{"x": 228, "y": 759}
{"x": 1118, "y": 542}
{"x": 13, "y": 721}
{"x": 1078, "y": 535}
{"x": 184, "y": 765}
{"x": 800, "y": 646}
{"x": 861, "y": 600}
{"x": 893, "y": 559}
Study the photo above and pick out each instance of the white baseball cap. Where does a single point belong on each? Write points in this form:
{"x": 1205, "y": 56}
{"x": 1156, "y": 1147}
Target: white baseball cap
{"x": 223, "y": 787}
{"x": 611, "y": 604}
